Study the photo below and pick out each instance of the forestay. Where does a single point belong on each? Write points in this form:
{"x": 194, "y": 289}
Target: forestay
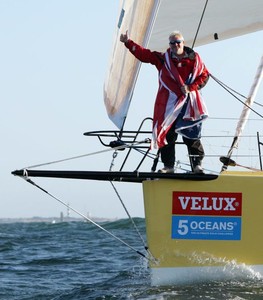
{"x": 150, "y": 22}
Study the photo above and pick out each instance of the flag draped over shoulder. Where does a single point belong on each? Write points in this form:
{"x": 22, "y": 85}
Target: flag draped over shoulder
{"x": 172, "y": 105}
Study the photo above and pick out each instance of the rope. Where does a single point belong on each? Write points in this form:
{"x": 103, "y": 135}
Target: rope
{"x": 86, "y": 218}
{"x": 88, "y": 154}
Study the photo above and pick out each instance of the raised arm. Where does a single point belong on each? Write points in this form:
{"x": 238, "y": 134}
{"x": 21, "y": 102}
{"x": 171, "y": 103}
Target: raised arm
{"x": 142, "y": 54}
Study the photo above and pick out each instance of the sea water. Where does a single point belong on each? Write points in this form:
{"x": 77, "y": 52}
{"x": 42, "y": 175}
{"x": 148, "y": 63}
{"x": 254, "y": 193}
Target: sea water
{"x": 77, "y": 260}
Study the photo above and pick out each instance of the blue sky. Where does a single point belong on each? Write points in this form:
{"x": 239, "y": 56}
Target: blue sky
{"x": 54, "y": 56}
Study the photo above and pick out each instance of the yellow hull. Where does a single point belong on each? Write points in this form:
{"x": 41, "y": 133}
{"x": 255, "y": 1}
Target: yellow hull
{"x": 205, "y": 229}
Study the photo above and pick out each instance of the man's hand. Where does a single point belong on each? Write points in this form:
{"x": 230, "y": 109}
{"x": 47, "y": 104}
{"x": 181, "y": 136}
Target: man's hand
{"x": 185, "y": 89}
{"x": 124, "y": 37}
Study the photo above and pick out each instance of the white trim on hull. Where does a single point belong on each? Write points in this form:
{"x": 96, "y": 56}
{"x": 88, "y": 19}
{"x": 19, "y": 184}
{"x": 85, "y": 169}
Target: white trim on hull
{"x": 190, "y": 275}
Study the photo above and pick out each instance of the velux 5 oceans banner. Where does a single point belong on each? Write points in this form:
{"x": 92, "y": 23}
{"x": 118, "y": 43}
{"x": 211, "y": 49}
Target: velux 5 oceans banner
{"x": 206, "y": 215}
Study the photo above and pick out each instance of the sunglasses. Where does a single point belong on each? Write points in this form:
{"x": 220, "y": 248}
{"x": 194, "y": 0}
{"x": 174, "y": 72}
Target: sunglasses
{"x": 175, "y": 42}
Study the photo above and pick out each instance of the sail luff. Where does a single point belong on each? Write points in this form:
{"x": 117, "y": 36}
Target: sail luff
{"x": 138, "y": 18}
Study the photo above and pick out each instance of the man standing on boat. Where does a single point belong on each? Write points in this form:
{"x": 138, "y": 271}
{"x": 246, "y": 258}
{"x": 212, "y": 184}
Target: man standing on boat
{"x": 179, "y": 107}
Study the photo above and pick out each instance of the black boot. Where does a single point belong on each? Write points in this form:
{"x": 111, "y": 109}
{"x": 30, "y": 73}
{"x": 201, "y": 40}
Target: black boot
{"x": 196, "y": 154}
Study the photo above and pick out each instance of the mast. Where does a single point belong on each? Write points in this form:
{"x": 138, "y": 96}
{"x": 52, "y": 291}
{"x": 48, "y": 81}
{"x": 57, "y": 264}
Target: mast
{"x": 246, "y": 110}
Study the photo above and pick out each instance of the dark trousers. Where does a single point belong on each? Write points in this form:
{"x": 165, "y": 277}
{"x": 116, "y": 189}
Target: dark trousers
{"x": 194, "y": 146}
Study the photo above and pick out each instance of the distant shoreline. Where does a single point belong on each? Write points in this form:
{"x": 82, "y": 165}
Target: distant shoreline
{"x": 52, "y": 220}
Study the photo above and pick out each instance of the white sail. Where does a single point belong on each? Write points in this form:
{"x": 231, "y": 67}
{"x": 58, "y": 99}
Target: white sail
{"x": 137, "y": 17}
{"x": 222, "y": 19}
{"x": 149, "y": 24}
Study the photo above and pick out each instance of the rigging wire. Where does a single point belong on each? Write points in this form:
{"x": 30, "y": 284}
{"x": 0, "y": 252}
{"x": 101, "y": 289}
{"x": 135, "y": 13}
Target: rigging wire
{"x": 259, "y": 104}
{"x": 199, "y": 25}
{"x": 86, "y": 218}
{"x": 228, "y": 87}
{"x": 246, "y": 109}
{"x": 231, "y": 92}
{"x": 25, "y": 177}
{"x": 127, "y": 212}
{"x": 232, "y": 119}
{"x": 151, "y": 257}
